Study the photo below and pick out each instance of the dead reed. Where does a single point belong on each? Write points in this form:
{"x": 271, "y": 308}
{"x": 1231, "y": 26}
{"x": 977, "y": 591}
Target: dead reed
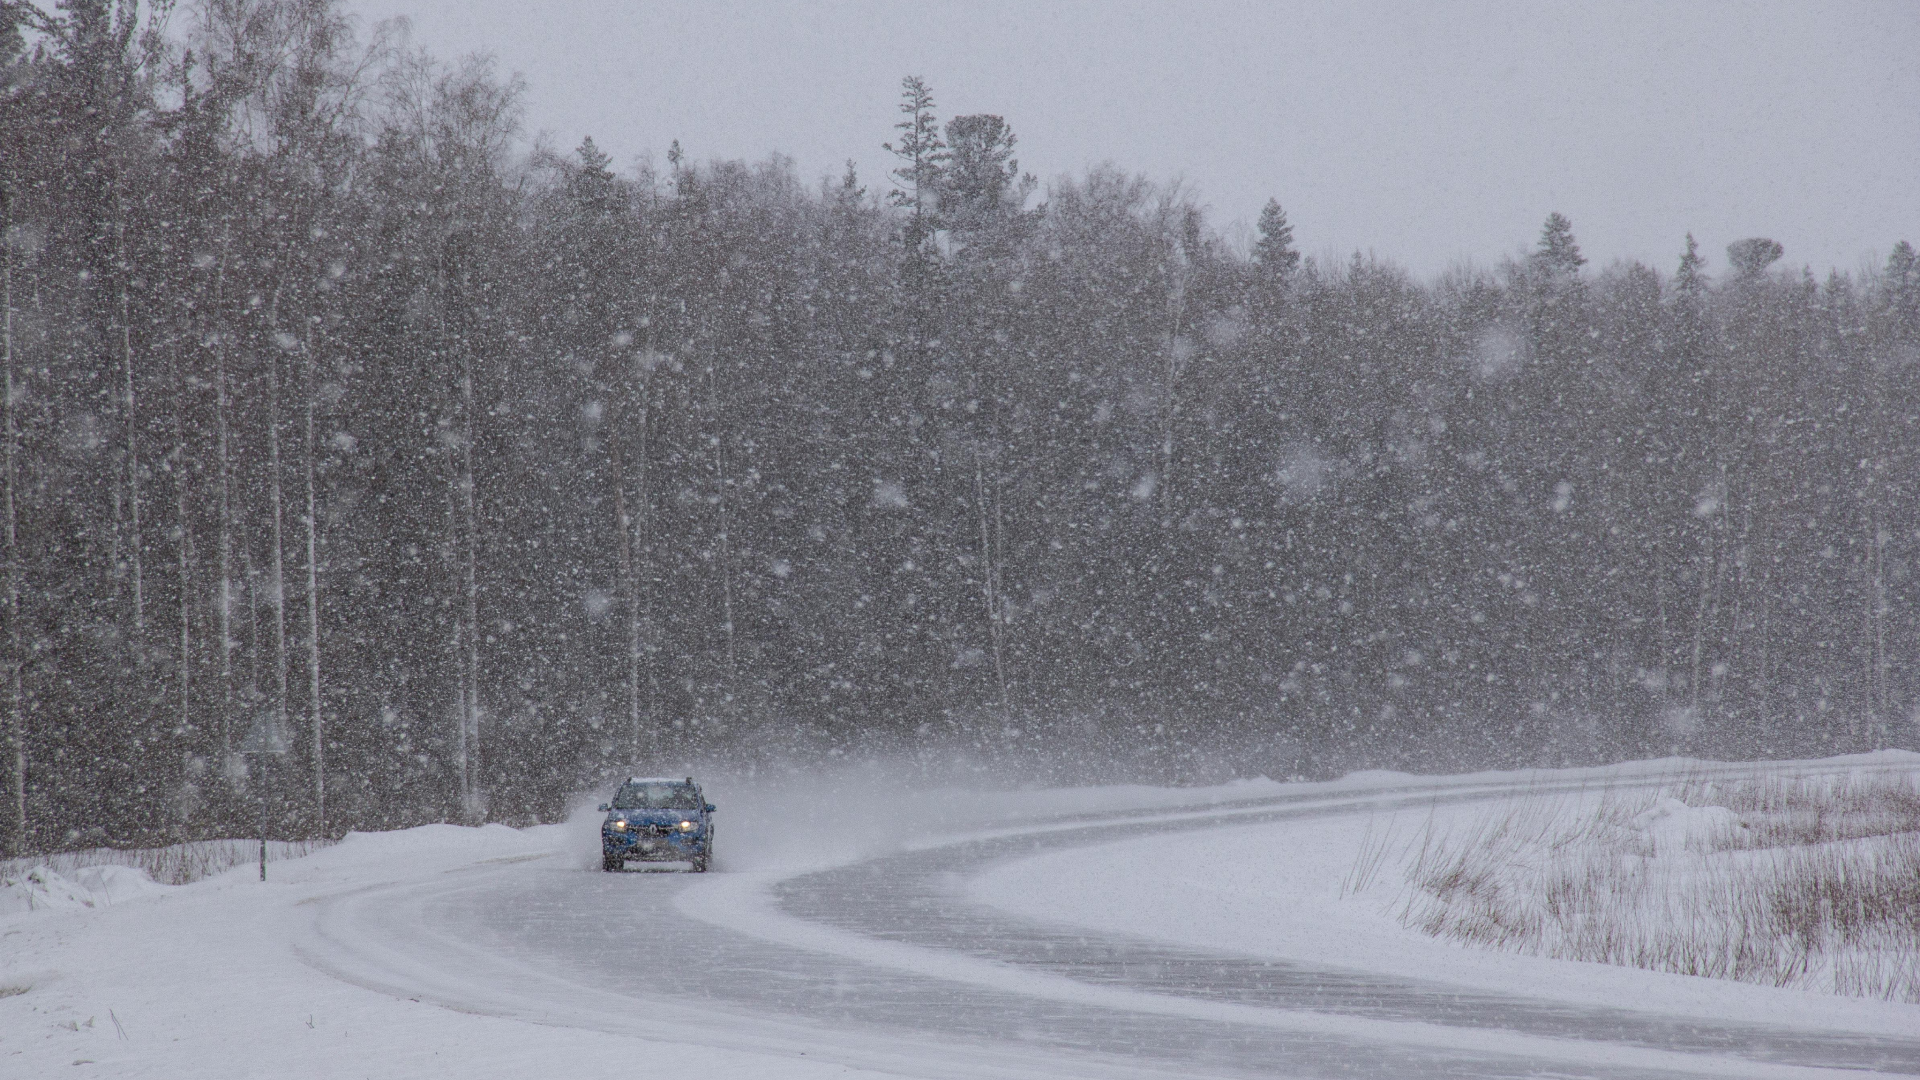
{"x": 1804, "y": 881}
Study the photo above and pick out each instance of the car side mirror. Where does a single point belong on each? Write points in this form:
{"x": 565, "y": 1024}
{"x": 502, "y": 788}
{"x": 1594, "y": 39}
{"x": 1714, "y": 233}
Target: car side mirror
{"x": 604, "y": 807}
{"x": 711, "y": 808}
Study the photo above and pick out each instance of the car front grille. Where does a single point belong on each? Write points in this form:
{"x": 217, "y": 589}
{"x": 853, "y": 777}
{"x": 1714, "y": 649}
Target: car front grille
{"x": 637, "y": 829}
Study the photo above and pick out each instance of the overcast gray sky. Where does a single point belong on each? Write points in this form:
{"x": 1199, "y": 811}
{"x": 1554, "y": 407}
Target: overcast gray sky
{"x": 1424, "y": 132}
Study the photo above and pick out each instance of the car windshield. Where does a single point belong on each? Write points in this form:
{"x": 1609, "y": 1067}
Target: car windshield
{"x": 666, "y": 796}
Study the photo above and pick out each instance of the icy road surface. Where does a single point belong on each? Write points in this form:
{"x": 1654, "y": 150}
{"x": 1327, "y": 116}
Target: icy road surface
{"x": 887, "y": 963}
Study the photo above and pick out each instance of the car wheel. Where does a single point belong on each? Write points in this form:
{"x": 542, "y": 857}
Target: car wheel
{"x": 700, "y": 865}
{"x": 611, "y": 863}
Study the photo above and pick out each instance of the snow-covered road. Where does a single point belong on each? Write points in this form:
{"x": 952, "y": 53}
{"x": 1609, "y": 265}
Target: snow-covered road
{"x": 888, "y": 963}
{"x": 858, "y": 931}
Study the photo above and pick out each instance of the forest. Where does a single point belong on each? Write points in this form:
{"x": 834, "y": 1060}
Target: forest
{"x": 341, "y": 412}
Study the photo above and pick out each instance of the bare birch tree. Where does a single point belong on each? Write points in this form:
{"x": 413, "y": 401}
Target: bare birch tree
{"x": 178, "y": 464}
{"x": 224, "y": 596}
{"x": 455, "y": 127}
{"x": 472, "y": 806}
{"x": 987, "y": 509}
{"x": 123, "y": 332}
{"x": 634, "y": 517}
{"x": 311, "y": 522}
{"x": 16, "y": 836}
{"x": 1179, "y": 356}
{"x": 723, "y": 540}
{"x": 636, "y": 520}
{"x": 283, "y": 341}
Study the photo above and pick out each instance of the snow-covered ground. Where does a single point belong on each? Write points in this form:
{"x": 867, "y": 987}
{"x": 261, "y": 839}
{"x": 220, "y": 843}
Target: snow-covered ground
{"x": 203, "y": 980}
{"x": 1308, "y": 891}
{"x": 316, "y": 972}
{"x": 104, "y": 969}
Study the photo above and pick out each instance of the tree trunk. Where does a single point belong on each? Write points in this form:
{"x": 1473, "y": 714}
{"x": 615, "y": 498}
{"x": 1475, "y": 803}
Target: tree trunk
{"x": 253, "y": 694}
{"x": 183, "y": 669}
{"x": 720, "y": 483}
{"x": 226, "y": 595}
{"x": 991, "y": 537}
{"x": 1763, "y": 707}
{"x": 313, "y": 611}
{"x": 463, "y": 526}
{"x": 639, "y": 611}
{"x": 1876, "y": 629}
{"x": 628, "y": 594}
{"x": 1736, "y": 642}
{"x": 1705, "y": 610}
{"x": 1176, "y": 315}
{"x": 633, "y": 520}
{"x": 15, "y": 844}
{"x": 279, "y": 543}
{"x": 471, "y": 689}
{"x": 1708, "y": 564}
{"x": 1656, "y": 568}
{"x": 122, "y": 272}
{"x": 457, "y": 650}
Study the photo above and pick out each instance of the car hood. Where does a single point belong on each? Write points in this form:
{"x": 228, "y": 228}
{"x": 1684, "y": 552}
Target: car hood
{"x": 654, "y": 817}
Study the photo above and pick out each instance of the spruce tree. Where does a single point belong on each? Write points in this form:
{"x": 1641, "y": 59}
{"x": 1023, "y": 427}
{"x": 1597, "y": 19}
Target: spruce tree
{"x": 1751, "y": 257}
{"x": 1557, "y": 253}
{"x": 981, "y": 184}
{"x": 592, "y": 184}
{"x": 923, "y": 155}
{"x": 1690, "y": 282}
{"x": 1274, "y": 252}
{"x": 1903, "y": 288}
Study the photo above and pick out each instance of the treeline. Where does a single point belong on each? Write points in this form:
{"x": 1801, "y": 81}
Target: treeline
{"x": 476, "y": 472}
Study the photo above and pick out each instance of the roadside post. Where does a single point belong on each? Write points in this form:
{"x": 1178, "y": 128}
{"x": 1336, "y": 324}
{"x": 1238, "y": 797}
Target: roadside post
{"x": 265, "y": 740}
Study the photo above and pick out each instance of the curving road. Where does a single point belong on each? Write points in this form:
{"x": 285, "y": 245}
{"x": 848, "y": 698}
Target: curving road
{"x": 883, "y": 963}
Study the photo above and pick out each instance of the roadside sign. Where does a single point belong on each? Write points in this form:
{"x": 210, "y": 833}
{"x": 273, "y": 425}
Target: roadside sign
{"x": 265, "y": 737}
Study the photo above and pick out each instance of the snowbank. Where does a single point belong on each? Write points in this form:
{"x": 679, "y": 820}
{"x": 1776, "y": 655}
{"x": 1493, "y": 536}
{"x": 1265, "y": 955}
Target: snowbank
{"x": 1670, "y": 825}
{"x": 43, "y": 889}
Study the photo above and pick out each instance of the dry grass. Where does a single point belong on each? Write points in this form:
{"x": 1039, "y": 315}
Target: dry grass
{"x": 1784, "y": 811}
{"x": 175, "y": 864}
{"x": 1368, "y": 863}
{"x": 1810, "y": 882}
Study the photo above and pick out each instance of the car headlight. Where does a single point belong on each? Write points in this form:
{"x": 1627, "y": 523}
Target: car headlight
{"x": 618, "y": 826}
{"x": 687, "y": 826}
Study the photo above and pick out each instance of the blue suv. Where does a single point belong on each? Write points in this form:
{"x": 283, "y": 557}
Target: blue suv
{"x": 657, "y": 820}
